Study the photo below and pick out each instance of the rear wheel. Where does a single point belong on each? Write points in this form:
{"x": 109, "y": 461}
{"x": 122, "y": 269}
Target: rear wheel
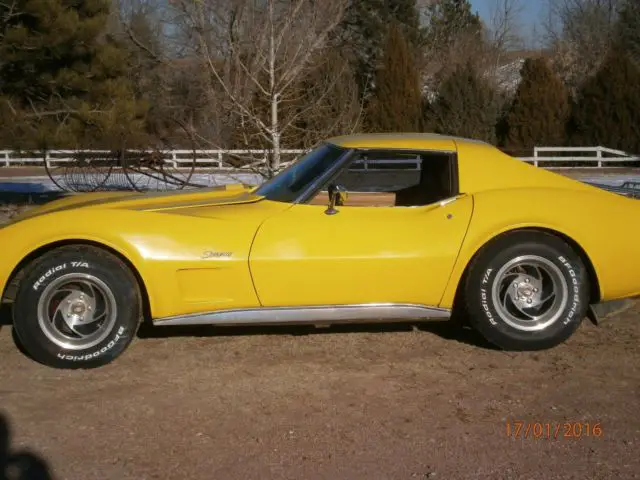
{"x": 527, "y": 291}
{"x": 77, "y": 307}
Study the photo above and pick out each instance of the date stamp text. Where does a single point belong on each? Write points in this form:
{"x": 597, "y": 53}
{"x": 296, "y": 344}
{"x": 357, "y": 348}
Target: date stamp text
{"x": 552, "y": 430}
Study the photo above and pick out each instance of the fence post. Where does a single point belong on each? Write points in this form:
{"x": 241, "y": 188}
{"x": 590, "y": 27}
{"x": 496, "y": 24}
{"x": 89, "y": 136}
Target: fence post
{"x": 6, "y": 159}
{"x": 47, "y": 159}
{"x": 219, "y": 158}
{"x": 535, "y": 156}
{"x": 599, "y": 156}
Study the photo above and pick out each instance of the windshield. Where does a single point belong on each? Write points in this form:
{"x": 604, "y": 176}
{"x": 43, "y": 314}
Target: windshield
{"x": 295, "y": 179}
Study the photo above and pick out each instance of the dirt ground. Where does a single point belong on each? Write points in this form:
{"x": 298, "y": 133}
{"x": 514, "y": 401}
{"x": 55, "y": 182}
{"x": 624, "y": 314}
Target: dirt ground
{"x": 370, "y": 402}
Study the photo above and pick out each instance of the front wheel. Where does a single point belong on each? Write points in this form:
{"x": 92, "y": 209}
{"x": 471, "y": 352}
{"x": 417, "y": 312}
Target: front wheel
{"x": 76, "y": 307}
{"x": 527, "y": 291}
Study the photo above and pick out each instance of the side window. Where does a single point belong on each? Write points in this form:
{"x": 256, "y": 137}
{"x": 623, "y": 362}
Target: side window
{"x": 394, "y": 178}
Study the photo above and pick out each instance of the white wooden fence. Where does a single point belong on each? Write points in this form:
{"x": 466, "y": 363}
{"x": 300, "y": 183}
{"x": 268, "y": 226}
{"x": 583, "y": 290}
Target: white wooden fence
{"x": 551, "y": 157}
{"x": 597, "y": 156}
{"x": 209, "y": 158}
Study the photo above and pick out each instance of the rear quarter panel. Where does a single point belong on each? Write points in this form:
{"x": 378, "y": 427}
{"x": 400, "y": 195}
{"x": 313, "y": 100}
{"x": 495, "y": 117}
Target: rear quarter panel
{"x": 604, "y": 224}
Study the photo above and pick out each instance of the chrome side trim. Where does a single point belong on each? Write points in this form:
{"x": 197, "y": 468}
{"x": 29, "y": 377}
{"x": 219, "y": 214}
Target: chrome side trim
{"x": 449, "y": 200}
{"x": 363, "y": 313}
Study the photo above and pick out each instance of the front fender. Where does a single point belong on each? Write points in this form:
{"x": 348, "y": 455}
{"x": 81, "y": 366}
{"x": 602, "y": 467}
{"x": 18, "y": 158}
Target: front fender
{"x": 31, "y": 234}
{"x": 167, "y": 250}
{"x": 599, "y": 222}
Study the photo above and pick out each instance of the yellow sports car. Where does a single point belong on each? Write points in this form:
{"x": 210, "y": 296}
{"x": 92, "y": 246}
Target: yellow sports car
{"x": 363, "y": 228}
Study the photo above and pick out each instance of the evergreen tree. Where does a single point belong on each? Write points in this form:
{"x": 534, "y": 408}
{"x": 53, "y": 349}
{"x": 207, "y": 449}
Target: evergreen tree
{"x": 449, "y": 19}
{"x": 629, "y": 28}
{"x": 406, "y": 14}
{"x": 62, "y": 81}
{"x": 466, "y": 106}
{"x": 540, "y": 108}
{"x": 607, "y": 108}
{"x": 454, "y": 36}
{"x": 502, "y": 124}
{"x": 395, "y": 105}
{"x": 364, "y": 30}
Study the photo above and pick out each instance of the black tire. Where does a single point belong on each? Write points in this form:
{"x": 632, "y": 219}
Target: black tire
{"x": 499, "y": 304}
{"x": 77, "y": 307}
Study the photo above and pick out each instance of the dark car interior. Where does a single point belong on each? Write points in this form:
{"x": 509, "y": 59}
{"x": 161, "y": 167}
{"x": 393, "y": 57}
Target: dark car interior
{"x": 397, "y": 182}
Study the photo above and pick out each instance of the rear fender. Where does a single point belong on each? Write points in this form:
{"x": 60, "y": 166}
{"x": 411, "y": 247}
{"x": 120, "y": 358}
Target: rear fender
{"x": 604, "y": 233}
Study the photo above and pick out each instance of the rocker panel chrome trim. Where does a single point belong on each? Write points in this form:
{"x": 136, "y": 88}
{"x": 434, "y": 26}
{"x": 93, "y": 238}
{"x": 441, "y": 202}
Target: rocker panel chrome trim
{"x": 364, "y": 313}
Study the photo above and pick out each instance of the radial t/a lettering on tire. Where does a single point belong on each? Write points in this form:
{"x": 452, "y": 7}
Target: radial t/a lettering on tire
{"x": 527, "y": 290}
{"x": 77, "y": 307}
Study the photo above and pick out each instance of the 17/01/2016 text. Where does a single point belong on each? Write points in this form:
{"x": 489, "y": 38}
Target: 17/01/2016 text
{"x": 552, "y": 430}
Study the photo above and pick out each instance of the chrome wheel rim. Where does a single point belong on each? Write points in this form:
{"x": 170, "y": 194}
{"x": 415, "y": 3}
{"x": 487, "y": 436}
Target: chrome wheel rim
{"x": 77, "y": 311}
{"x": 530, "y": 293}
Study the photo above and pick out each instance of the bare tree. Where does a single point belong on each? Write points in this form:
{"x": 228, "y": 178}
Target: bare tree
{"x": 505, "y": 28}
{"x": 580, "y": 33}
{"x": 169, "y": 75}
{"x": 501, "y": 59}
{"x": 259, "y": 54}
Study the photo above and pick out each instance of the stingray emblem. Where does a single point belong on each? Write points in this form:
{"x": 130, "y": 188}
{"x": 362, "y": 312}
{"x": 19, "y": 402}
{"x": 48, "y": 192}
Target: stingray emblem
{"x": 211, "y": 254}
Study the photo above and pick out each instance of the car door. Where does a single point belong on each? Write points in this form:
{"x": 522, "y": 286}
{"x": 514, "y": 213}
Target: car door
{"x": 379, "y": 253}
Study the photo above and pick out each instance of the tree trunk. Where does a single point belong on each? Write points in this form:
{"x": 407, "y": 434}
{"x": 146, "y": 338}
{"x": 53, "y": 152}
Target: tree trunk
{"x": 275, "y": 133}
{"x": 275, "y": 96}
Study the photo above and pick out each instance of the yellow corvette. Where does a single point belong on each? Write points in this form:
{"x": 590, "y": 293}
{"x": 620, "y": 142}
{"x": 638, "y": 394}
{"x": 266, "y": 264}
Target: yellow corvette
{"x": 363, "y": 228}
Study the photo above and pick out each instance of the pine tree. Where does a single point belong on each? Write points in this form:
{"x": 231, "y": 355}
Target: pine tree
{"x": 466, "y": 106}
{"x": 406, "y": 14}
{"x": 607, "y": 108}
{"x": 449, "y": 19}
{"x": 62, "y": 81}
{"x": 628, "y": 29}
{"x": 540, "y": 108}
{"x": 396, "y": 102}
{"x": 454, "y": 36}
{"x": 364, "y": 30}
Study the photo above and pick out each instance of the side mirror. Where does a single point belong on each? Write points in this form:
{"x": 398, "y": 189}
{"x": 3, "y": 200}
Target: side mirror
{"x": 337, "y": 196}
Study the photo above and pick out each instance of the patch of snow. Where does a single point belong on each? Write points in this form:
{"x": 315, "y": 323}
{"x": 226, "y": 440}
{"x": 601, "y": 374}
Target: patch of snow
{"x": 507, "y": 76}
{"x": 42, "y": 184}
{"x": 613, "y": 179}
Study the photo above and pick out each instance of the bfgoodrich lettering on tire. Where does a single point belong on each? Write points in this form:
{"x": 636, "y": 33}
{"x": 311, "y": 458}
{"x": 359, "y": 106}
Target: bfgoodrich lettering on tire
{"x": 77, "y": 307}
{"x": 527, "y": 290}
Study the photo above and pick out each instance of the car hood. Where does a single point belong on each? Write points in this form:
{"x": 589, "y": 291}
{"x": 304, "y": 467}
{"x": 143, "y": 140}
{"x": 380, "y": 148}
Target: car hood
{"x": 155, "y": 201}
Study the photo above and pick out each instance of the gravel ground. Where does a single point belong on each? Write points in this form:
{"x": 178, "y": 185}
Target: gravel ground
{"x": 370, "y": 402}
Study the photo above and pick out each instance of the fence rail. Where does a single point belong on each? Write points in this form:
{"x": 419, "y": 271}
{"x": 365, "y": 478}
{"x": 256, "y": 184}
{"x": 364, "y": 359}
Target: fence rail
{"x": 551, "y": 157}
{"x": 595, "y": 157}
{"x": 210, "y": 158}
